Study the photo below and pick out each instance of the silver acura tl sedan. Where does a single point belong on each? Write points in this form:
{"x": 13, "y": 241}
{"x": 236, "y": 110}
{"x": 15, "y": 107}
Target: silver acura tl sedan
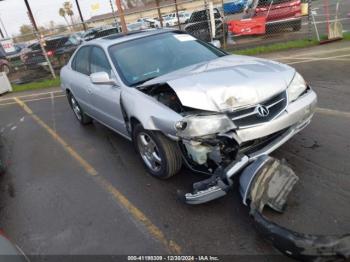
{"x": 183, "y": 101}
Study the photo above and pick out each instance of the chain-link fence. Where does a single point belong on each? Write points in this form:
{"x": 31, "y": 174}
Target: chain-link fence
{"x": 232, "y": 24}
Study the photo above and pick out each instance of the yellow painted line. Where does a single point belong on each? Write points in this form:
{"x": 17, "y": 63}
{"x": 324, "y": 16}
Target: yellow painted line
{"x": 30, "y": 100}
{"x": 31, "y": 95}
{"x": 332, "y": 112}
{"x": 136, "y": 213}
{"x": 56, "y": 137}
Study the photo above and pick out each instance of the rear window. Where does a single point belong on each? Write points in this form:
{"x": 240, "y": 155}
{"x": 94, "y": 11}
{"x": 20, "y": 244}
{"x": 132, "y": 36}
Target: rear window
{"x": 202, "y": 15}
{"x": 55, "y": 43}
{"x": 106, "y": 32}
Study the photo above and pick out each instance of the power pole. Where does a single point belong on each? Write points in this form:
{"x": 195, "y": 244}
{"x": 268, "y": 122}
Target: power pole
{"x": 121, "y": 15}
{"x": 31, "y": 17}
{"x": 81, "y": 15}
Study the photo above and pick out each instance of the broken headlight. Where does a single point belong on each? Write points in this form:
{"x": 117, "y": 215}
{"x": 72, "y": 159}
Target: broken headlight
{"x": 198, "y": 125}
{"x": 296, "y": 87}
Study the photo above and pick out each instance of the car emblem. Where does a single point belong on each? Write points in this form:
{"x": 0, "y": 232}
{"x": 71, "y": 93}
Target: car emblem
{"x": 263, "y": 111}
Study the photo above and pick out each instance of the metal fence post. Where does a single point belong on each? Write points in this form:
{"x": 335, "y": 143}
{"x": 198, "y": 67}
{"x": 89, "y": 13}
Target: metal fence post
{"x": 206, "y": 8}
{"x": 159, "y": 13}
{"x": 177, "y": 15}
{"x": 36, "y": 31}
{"x": 113, "y": 12}
{"x": 310, "y": 20}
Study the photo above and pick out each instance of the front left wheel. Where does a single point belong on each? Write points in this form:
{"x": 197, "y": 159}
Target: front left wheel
{"x": 160, "y": 155}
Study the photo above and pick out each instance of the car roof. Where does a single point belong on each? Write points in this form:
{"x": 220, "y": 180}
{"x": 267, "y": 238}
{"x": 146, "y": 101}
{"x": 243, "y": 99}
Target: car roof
{"x": 121, "y": 37}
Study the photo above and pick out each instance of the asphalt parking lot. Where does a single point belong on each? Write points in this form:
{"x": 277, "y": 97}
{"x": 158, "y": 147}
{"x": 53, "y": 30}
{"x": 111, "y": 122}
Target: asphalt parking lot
{"x": 71, "y": 189}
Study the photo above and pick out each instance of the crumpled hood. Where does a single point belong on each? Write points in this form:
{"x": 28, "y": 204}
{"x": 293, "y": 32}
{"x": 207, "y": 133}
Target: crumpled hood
{"x": 227, "y": 83}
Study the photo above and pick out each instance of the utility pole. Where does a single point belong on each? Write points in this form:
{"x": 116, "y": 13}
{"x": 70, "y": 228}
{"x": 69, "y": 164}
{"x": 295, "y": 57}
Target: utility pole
{"x": 121, "y": 15}
{"x": 32, "y": 20}
{"x": 31, "y": 17}
{"x": 81, "y": 15}
{"x": 2, "y": 24}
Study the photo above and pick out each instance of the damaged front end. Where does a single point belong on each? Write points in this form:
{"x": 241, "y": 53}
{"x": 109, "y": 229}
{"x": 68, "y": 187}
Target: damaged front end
{"x": 212, "y": 144}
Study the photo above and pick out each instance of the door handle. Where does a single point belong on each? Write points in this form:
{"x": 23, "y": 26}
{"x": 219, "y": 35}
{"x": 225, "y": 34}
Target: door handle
{"x": 89, "y": 91}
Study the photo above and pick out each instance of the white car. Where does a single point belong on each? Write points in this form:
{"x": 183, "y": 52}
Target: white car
{"x": 153, "y": 23}
{"x": 170, "y": 20}
{"x": 184, "y": 17}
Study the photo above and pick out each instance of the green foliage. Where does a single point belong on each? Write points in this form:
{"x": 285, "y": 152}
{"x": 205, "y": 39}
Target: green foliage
{"x": 37, "y": 85}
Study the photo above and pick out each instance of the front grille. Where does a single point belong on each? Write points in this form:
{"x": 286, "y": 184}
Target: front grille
{"x": 250, "y": 116}
{"x": 256, "y": 144}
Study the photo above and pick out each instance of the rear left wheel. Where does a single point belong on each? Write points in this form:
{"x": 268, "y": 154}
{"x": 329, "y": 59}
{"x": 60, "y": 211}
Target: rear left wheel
{"x": 78, "y": 111}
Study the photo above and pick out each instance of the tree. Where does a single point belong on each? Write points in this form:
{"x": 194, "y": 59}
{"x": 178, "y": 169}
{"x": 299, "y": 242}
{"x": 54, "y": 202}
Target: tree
{"x": 62, "y": 12}
{"x": 26, "y": 29}
{"x": 26, "y": 33}
{"x": 68, "y": 8}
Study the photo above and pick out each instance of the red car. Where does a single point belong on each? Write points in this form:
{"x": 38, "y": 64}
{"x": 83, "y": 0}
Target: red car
{"x": 280, "y": 13}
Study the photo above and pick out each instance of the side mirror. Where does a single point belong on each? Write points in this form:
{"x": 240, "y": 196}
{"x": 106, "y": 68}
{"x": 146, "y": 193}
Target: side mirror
{"x": 102, "y": 78}
{"x": 216, "y": 43}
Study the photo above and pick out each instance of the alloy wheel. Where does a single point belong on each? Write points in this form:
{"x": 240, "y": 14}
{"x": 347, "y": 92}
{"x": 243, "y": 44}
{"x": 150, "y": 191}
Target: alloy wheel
{"x": 149, "y": 152}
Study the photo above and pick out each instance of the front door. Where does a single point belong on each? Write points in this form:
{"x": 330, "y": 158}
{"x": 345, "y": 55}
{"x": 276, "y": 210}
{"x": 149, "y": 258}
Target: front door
{"x": 105, "y": 99}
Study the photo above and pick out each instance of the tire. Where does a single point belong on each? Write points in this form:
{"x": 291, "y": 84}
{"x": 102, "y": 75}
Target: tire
{"x": 78, "y": 111}
{"x": 6, "y": 69}
{"x": 296, "y": 27}
{"x": 160, "y": 148}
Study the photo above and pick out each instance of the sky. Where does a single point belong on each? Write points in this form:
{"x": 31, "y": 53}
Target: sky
{"x": 13, "y": 13}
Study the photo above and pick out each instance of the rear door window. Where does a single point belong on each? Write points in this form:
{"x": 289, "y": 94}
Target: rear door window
{"x": 81, "y": 61}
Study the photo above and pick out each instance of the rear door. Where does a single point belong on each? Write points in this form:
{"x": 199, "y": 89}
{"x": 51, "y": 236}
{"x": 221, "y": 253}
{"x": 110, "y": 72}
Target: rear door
{"x": 105, "y": 99}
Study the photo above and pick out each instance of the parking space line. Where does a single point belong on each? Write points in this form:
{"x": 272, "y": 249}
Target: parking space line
{"x": 136, "y": 213}
{"x": 318, "y": 59}
{"x": 31, "y": 95}
{"x": 332, "y": 112}
{"x": 320, "y": 52}
{"x": 30, "y": 100}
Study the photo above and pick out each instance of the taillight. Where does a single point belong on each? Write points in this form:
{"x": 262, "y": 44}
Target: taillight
{"x": 50, "y": 53}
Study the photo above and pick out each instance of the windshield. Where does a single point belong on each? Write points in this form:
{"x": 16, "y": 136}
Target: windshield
{"x": 143, "y": 59}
